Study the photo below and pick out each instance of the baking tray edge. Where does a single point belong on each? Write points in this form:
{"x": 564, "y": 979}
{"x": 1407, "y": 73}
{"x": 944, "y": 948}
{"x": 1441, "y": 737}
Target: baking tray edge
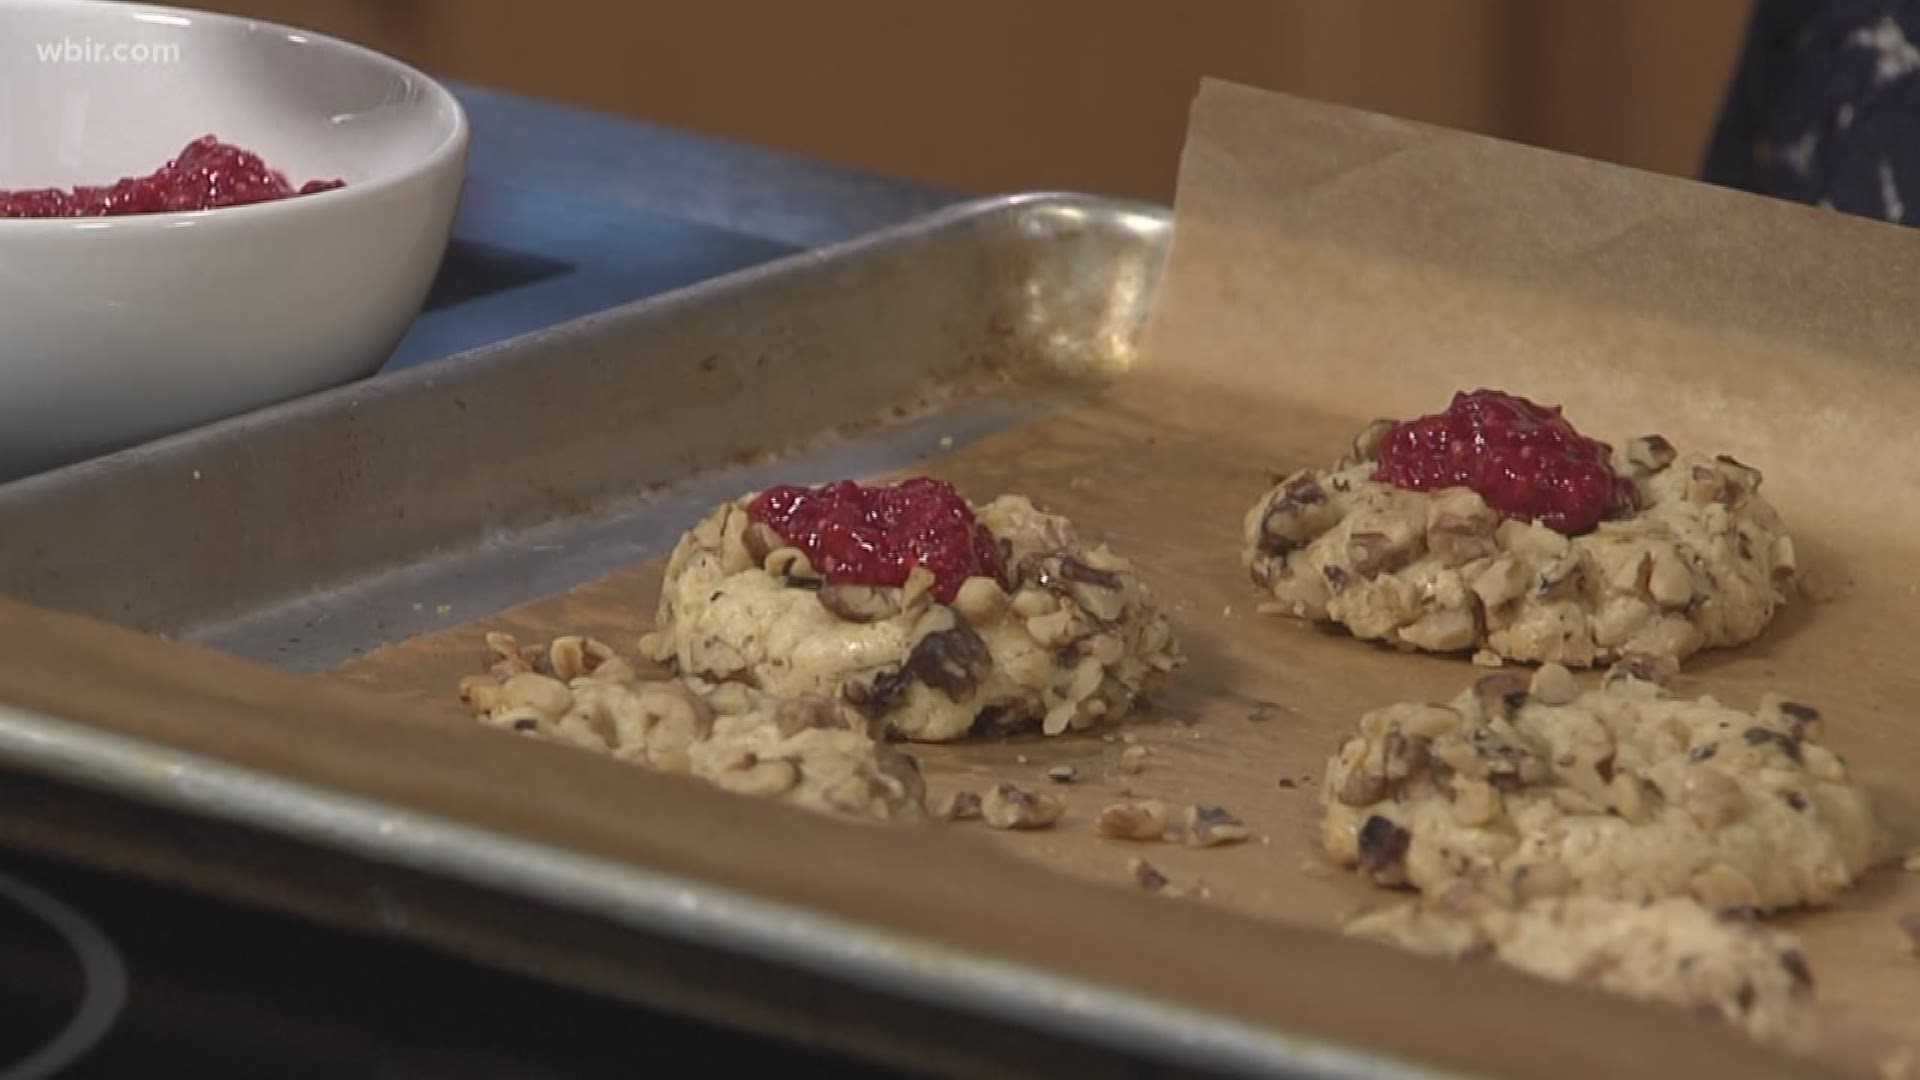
{"x": 686, "y": 910}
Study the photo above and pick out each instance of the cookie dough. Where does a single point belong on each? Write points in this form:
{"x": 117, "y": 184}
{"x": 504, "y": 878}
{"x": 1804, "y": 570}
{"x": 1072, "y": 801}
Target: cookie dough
{"x": 1077, "y": 638}
{"x": 807, "y": 750}
{"x": 1703, "y": 563}
{"x": 1525, "y": 789}
{"x": 1674, "y": 951}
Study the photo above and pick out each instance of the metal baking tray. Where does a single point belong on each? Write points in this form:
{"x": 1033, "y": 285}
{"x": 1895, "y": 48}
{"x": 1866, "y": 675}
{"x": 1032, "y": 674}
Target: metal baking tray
{"x": 305, "y": 534}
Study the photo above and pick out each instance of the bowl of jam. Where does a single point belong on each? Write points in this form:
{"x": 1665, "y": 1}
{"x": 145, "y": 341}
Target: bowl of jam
{"x": 201, "y": 215}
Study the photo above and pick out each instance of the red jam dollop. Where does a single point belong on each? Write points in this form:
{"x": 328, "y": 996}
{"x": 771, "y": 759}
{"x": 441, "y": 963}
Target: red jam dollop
{"x": 859, "y": 535}
{"x": 1524, "y": 459}
{"x": 205, "y": 175}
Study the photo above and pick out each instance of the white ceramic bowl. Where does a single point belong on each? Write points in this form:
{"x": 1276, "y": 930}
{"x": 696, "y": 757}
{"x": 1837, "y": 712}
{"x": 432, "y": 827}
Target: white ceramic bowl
{"x": 117, "y": 330}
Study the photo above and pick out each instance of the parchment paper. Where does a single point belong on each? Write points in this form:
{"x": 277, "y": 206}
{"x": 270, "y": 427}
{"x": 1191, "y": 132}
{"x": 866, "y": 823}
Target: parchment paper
{"x": 1332, "y": 266}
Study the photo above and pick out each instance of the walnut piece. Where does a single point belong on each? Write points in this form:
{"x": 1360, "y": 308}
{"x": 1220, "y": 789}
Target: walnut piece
{"x": 1008, "y": 806}
{"x": 959, "y": 806}
{"x": 1145, "y": 876}
{"x": 1212, "y": 826}
{"x": 1145, "y": 819}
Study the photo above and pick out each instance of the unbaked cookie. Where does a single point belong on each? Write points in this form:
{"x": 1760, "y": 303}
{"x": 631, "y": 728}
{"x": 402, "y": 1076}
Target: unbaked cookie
{"x": 1072, "y": 636}
{"x": 807, "y": 750}
{"x": 1674, "y": 951}
{"x": 1702, "y": 562}
{"x": 1523, "y": 790}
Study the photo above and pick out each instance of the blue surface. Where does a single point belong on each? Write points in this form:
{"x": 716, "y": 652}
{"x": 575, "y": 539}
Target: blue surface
{"x": 522, "y": 260}
{"x": 568, "y": 212}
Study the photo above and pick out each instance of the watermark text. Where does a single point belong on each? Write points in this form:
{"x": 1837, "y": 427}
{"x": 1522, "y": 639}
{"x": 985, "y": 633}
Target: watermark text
{"x": 87, "y": 50}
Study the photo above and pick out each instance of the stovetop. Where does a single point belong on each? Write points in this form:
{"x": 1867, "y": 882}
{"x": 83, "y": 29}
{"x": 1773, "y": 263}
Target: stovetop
{"x": 101, "y": 976}
{"x": 568, "y": 212}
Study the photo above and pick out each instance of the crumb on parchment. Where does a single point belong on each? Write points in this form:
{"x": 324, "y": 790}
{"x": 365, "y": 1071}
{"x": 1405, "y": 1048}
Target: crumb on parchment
{"x": 1009, "y": 806}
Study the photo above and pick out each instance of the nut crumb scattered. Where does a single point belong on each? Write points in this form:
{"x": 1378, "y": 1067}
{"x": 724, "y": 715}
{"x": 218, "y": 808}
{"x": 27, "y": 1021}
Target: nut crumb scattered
{"x": 196, "y": 474}
{"x": 1227, "y": 612}
{"x": 443, "y": 609}
{"x": 1020, "y": 759}
{"x": 1130, "y": 738}
{"x": 1313, "y": 868}
{"x": 1487, "y": 658}
{"x": 1133, "y": 759}
{"x": 1145, "y": 876}
{"x": 1212, "y": 826}
{"x": 959, "y": 806}
{"x": 1288, "y": 783}
{"x": 946, "y": 442}
{"x": 1008, "y": 806}
{"x": 1063, "y": 774}
{"x": 1267, "y": 840}
{"x": 1143, "y": 820}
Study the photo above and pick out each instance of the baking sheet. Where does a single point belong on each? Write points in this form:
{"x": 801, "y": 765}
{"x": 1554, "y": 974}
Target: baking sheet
{"x": 1330, "y": 267}
{"x": 1367, "y": 267}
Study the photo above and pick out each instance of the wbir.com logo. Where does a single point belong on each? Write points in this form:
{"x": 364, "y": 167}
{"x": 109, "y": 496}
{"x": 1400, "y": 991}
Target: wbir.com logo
{"x": 86, "y": 50}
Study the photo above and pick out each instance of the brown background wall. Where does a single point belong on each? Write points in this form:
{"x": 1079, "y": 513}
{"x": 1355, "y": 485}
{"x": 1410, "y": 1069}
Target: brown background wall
{"x": 989, "y": 95}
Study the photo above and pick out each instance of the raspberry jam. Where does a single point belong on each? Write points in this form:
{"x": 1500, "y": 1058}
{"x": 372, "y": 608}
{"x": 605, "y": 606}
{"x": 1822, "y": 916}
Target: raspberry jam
{"x": 205, "y": 175}
{"x": 876, "y": 535}
{"x": 1524, "y": 459}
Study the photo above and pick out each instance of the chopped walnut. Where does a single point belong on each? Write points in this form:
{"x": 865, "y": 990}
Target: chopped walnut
{"x": 1382, "y": 846}
{"x": 1212, "y": 826}
{"x": 805, "y": 713}
{"x": 747, "y": 773}
{"x": 1711, "y": 797}
{"x": 1500, "y": 695}
{"x": 959, "y": 806}
{"x": 1649, "y": 454}
{"x": 1649, "y": 669}
{"x": 1142, "y": 820}
{"x": 1145, "y": 876}
{"x": 860, "y": 603}
{"x": 800, "y": 750}
{"x": 1133, "y": 759}
{"x": 1063, "y": 774}
{"x": 1553, "y": 685}
{"x": 1008, "y": 806}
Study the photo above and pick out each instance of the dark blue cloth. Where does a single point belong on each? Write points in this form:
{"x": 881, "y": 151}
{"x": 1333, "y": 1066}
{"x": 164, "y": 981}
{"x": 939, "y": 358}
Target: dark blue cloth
{"x": 1825, "y": 107}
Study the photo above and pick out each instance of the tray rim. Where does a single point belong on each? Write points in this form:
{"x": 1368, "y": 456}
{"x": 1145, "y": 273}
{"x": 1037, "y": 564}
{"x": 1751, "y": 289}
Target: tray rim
{"x": 476, "y": 362}
{"x": 645, "y": 900}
